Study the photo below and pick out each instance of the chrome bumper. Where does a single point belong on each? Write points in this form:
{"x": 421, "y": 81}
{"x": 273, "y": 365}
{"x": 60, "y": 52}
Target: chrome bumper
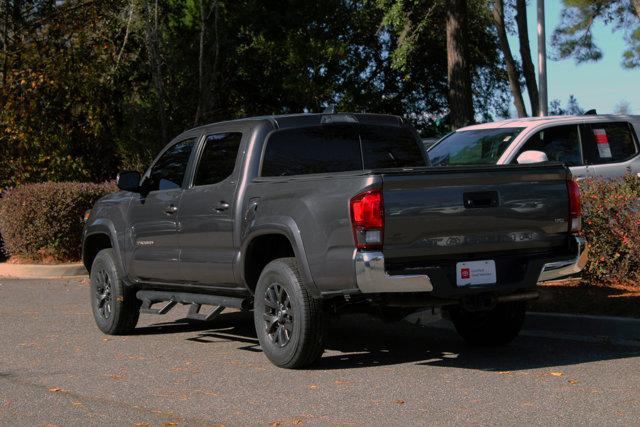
{"x": 372, "y": 278}
{"x": 555, "y": 270}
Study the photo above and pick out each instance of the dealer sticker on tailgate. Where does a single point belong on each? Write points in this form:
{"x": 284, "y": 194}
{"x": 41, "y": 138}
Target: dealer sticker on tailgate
{"x": 476, "y": 273}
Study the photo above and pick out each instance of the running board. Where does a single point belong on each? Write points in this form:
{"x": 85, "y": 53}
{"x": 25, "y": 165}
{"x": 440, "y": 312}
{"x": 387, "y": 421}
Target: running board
{"x": 196, "y": 301}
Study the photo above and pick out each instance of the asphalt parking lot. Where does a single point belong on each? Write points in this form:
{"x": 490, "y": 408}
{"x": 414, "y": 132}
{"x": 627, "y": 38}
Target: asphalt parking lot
{"x": 56, "y": 368}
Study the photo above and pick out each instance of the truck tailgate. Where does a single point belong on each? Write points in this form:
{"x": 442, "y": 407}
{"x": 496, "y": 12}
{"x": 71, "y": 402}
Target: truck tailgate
{"x": 450, "y": 212}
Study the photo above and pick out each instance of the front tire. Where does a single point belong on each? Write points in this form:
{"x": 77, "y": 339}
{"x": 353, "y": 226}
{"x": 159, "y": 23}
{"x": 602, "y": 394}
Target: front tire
{"x": 115, "y": 307}
{"x": 498, "y": 326}
{"x": 289, "y": 320}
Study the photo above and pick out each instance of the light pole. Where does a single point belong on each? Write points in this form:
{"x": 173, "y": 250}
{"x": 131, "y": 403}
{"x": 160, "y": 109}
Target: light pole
{"x": 542, "y": 61}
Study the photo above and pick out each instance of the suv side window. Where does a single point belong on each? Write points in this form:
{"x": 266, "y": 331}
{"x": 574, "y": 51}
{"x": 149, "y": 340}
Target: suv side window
{"x": 559, "y": 143}
{"x": 168, "y": 172}
{"x": 218, "y": 158}
{"x": 608, "y": 142}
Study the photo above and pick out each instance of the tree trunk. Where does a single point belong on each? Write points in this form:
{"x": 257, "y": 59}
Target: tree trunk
{"x": 636, "y": 5}
{"x": 512, "y": 70}
{"x": 458, "y": 74}
{"x": 525, "y": 52}
{"x": 153, "y": 51}
{"x": 203, "y": 29}
{"x": 205, "y": 97}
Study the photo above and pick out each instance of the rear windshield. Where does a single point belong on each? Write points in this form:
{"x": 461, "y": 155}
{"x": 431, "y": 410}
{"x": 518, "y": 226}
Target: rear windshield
{"x": 339, "y": 148}
{"x": 472, "y": 147}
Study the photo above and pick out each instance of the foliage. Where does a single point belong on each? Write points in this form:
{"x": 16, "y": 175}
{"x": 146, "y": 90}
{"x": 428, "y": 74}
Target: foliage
{"x": 59, "y": 99}
{"x": 44, "y": 221}
{"x": 571, "y": 108}
{"x": 89, "y": 87}
{"x": 574, "y": 38}
{"x": 611, "y": 224}
{"x": 419, "y": 50}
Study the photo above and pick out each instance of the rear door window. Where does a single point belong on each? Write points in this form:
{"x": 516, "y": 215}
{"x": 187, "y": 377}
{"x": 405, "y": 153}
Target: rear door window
{"x": 608, "y": 142}
{"x": 559, "y": 143}
{"x": 218, "y": 158}
{"x": 339, "y": 148}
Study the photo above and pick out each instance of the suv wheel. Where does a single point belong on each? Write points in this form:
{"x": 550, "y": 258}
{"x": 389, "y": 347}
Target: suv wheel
{"x": 289, "y": 321}
{"x": 114, "y": 305}
{"x": 498, "y": 326}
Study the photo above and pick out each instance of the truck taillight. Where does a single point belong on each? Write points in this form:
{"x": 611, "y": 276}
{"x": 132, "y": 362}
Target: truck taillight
{"x": 575, "y": 211}
{"x": 367, "y": 219}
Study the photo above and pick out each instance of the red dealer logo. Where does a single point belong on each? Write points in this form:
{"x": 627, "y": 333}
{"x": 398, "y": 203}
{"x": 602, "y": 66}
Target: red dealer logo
{"x": 465, "y": 273}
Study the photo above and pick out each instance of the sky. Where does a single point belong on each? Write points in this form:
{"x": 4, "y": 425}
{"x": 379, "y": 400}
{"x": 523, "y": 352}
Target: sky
{"x": 600, "y": 85}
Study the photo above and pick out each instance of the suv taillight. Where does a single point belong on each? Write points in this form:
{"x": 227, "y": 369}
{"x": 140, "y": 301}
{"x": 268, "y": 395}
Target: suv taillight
{"x": 575, "y": 211}
{"x": 367, "y": 219}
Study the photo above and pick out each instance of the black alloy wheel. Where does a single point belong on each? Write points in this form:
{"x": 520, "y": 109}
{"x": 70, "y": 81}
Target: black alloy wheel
{"x": 278, "y": 315}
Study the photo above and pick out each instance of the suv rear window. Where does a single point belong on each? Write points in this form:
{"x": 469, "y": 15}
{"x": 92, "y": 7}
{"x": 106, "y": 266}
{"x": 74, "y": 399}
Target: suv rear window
{"x": 608, "y": 142}
{"x": 339, "y": 148}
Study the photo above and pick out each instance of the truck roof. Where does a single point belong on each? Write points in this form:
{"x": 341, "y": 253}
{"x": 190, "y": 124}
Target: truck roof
{"x": 528, "y": 122}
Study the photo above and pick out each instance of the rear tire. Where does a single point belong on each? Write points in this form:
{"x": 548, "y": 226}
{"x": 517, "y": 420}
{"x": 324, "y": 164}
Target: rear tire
{"x": 115, "y": 306}
{"x": 498, "y": 326}
{"x": 289, "y": 320}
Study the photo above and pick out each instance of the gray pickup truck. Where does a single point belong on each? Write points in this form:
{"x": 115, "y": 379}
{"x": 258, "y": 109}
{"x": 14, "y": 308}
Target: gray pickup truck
{"x": 302, "y": 217}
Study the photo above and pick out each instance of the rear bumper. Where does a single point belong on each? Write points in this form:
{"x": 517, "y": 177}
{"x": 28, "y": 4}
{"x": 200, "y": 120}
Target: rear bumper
{"x": 372, "y": 277}
{"x": 575, "y": 264}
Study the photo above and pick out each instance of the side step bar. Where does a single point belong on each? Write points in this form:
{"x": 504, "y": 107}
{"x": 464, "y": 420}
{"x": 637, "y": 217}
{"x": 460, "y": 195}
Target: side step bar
{"x": 196, "y": 301}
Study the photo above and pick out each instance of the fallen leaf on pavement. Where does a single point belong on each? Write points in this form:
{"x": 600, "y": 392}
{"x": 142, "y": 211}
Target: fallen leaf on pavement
{"x": 342, "y": 382}
{"x": 297, "y": 421}
{"x": 56, "y": 390}
{"x": 169, "y": 423}
{"x": 399, "y": 402}
{"x": 572, "y": 382}
{"x": 276, "y": 423}
{"x": 556, "y": 374}
{"x": 505, "y": 372}
{"x": 313, "y": 386}
{"x": 141, "y": 424}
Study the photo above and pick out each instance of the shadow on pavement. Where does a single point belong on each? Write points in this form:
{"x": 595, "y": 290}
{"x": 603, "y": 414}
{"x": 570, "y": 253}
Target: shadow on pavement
{"x": 356, "y": 341}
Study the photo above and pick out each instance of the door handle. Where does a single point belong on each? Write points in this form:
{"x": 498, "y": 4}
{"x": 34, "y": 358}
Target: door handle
{"x": 171, "y": 209}
{"x": 221, "y": 207}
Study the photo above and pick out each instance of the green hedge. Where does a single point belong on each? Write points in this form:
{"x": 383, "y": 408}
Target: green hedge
{"x": 611, "y": 225}
{"x": 44, "y": 221}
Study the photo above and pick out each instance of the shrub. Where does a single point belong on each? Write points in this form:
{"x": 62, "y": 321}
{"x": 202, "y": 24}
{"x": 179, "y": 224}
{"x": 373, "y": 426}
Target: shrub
{"x": 611, "y": 225}
{"x": 44, "y": 221}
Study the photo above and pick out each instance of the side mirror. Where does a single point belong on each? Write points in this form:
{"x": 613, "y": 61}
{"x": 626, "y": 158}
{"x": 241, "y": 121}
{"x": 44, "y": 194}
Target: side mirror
{"x": 128, "y": 181}
{"x": 532, "y": 156}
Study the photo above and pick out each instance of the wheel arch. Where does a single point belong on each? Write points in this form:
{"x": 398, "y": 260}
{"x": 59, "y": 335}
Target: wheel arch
{"x": 281, "y": 240}
{"x": 98, "y": 236}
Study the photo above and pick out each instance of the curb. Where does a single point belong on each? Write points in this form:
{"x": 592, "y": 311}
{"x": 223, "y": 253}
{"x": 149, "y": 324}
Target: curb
{"x": 615, "y": 330}
{"x": 35, "y": 271}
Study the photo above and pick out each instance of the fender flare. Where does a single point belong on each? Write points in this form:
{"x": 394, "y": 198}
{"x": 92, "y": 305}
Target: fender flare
{"x": 288, "y": 228}
{"x": 105, "y": 227}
